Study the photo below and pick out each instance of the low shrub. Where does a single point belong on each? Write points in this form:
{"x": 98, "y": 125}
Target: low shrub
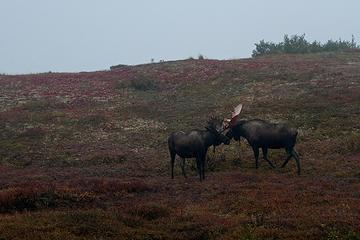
{"x": 27, "y": 198}
{"x": 92, "y": 120}
{"x": 143, "y": 83}
{"x": 150, "y": 212}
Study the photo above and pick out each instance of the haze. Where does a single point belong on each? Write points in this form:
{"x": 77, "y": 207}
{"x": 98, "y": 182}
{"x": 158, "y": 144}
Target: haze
{"x": 89, "y": 35}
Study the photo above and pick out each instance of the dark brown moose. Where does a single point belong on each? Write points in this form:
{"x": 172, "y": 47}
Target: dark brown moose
{"x": 264, "y": 135}
{"x": 195, "y": 144}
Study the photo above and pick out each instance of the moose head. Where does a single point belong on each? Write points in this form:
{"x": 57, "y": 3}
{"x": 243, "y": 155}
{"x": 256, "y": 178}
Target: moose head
{"x": 215, "y": 125}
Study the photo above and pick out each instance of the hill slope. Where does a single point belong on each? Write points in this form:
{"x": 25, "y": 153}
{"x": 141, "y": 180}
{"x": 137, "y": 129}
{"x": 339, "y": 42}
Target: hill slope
{"x": 95, "y": 144}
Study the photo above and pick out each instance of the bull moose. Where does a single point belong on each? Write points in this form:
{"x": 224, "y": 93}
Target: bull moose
{"x": 195, "y": 143}
{"x": 264, "y": 135}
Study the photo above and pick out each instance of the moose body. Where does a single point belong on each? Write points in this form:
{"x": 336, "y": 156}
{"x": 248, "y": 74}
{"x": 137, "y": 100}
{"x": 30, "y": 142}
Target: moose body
{"x": 195, "y": 144}
{"x": 265, "y": 135}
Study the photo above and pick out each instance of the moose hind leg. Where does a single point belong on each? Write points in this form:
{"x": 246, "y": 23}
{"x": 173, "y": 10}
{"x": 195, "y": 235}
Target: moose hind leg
{"x": 265, "y": 152}
{"x": 183, "y": 167}
{"x": 256, "y": 154}
{"x": 288, "y": 151}
{"x": 297, "y": 159}
{"x": 295, "y": 153}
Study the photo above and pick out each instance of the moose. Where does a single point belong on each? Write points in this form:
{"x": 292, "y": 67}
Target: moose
{"x": 195, "y": 143}
{"x": 264, "y": 135}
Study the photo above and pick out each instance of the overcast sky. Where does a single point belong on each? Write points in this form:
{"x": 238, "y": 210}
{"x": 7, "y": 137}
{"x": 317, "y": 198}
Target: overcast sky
{"x": 87, "y": 35}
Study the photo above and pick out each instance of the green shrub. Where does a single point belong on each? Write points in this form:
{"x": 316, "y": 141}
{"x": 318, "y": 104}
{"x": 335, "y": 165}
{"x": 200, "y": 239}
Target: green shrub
{"x": 352, "y": 236}
{"x": 298, "y": 44}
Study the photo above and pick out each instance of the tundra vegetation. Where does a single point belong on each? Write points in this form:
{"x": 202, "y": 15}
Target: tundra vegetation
{"x": 85, "y": 156}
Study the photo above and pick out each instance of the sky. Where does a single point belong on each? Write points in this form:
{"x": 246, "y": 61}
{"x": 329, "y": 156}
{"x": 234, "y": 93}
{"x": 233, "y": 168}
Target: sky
{"x": 89, "y": 35}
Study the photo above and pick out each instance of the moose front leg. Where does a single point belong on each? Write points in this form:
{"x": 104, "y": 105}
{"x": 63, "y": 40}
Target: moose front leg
{"x": 265, "y": 152}
{"x": 239, "y": 150}
{"x": 256, "y": 154}
{"x": 203, "y": 167}
{"x": 183, "y": 167}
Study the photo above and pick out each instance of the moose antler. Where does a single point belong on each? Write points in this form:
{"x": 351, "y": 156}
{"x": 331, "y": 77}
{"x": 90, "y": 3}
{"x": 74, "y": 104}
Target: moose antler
{"x": 234, "y": 116}
{"x": 214, "y": 122}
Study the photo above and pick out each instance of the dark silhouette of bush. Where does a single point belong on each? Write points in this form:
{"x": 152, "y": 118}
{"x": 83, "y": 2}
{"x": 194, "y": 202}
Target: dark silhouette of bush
{"x": 143, "y": 83}
{"x": 298, "y": 44}
{"x": 150, "y": 212}
{"x": 30, "y": 198}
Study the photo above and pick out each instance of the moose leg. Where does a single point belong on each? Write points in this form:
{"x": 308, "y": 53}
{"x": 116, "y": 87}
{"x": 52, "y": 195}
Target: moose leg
{"x": 198, "y": 165}
{"x": 290, "y": 155}
{"x": 172, "y": 156}
{"x": 265, "y": 151}
{"x": 297, "y": 159}
{"x": 183, "y": 167}
{"x": 256, "y": 154}
{"x": 295, "y": 153}
{"x": 239, "y": 150}
{"x": 203, "y": 167}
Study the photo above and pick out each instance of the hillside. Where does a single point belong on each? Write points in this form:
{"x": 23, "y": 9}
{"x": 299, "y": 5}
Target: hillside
{"x": 84, "y": 155}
